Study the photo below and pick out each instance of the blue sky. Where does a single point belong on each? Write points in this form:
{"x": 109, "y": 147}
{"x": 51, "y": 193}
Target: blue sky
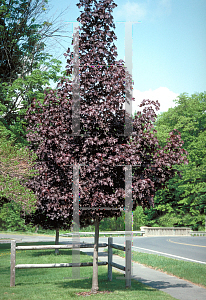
{"x": 169, "y": 45}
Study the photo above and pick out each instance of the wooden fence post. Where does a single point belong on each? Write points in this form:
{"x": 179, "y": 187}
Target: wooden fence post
{"x": 128, "y": 263}
{"x": 110, "y": 241}
{"x": 13, "y": 263}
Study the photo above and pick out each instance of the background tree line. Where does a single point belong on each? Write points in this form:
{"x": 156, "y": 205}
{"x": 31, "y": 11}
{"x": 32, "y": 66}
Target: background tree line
{"x": 26, "y": 70}
{"x": 26, "y": 66}
{"x": 27, "y": 35}
{"x": 183, "y": 201}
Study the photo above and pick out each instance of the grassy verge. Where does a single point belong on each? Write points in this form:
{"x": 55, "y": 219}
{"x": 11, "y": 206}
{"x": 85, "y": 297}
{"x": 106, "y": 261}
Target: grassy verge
{"x": 193, "y": 272}
{"x": 50, "y": 233}
{"x": 58, "y": 283}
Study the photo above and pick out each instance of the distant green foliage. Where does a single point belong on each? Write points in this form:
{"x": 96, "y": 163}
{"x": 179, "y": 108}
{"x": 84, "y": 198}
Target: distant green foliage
{"x": 183, "y": 202}
{"x": 10, "y": 217}
{"x": 139, "y": 218}
{"x": 19, "y": 95}
{"x": 26, "y": 71}
{"x": 15, "y": 198}
{"x": 113, "y": 224}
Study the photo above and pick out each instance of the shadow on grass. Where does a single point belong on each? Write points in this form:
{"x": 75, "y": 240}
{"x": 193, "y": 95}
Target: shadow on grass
{"x": 23, "y": 273}
{"x": 104, "y": 284}
{"x": 100, "y": 254}
{"x": 5, "y": 246}
{"x": 4, "y": 271}
{"x": 119, "y": 284}
{"x": 65, "y": 280}
{"x": 36, "y": 253}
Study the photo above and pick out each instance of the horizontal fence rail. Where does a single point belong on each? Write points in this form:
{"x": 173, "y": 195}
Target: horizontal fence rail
{"x": 110, "y": 264}
{"x": 118, "y": 247}
{"x": 59, "y": 246}
{"x": 62, "y": 265}
{"x": 118, "y": 266}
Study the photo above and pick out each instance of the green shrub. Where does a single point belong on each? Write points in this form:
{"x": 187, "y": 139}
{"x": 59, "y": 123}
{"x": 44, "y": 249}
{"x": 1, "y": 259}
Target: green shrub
{"x": 10, "y": 217}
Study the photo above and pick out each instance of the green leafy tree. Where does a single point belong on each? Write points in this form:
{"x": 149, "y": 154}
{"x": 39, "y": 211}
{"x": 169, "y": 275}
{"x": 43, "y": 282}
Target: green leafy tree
{"x": 183, "y": 201}
{"x": 19, "y": 95}
{"x": 15, "y": 198}
{"x": 25, "y": 31}
{"x": 11, "y": 217}
{"x": 26, "y": 69}
{"x": 25, "y": 66}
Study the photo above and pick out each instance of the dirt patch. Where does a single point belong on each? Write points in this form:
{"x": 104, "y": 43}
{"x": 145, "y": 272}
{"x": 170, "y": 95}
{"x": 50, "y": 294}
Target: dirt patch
{"x": 90, "y": 293}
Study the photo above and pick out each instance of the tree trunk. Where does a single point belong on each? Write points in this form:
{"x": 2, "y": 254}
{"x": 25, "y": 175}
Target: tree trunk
{"x": 95, "y": 286}
{"x": 57, "y": 240}
{"x": 36, "y": 228}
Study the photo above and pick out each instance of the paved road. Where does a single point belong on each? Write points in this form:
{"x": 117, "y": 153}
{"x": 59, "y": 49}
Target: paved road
{"x": 185, "y": 248}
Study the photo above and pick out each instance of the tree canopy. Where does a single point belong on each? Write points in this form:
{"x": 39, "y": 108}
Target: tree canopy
{"x": 26, "y": 69}
{"x": 92, "y": 137}
{"x": 25, "y": 66}
{"x": 183, "y": 202}
{"x": 15, "y": 199}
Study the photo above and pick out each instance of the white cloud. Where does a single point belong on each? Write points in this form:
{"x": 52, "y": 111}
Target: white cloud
{"x": 164, "y": 7}
{"x": 165, "y": 3}
{"x": 144, "y": 10}
{"x": 162, "y": 94}
{"x": 131, "y": 11}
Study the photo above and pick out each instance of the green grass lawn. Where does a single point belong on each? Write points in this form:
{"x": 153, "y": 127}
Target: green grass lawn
{"x": 193, "y": 272}
{"x": 55, "y": 284}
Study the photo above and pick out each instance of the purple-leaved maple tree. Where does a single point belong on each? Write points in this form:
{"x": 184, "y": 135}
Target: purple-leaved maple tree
{"x": 100, "y": 149}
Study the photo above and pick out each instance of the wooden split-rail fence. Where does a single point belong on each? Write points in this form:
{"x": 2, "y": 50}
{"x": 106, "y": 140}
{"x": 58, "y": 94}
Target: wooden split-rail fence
{"x": 110, "y": 263}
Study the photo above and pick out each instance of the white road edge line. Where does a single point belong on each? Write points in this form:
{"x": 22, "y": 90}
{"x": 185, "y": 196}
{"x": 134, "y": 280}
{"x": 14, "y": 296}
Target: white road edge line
{"x": 197, "y": 261}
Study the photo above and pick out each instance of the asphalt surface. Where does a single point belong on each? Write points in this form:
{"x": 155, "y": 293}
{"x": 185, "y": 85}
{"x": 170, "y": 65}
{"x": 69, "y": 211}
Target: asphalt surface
{"x": 177, "y": 288}
{"x": 185, "y": 247}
